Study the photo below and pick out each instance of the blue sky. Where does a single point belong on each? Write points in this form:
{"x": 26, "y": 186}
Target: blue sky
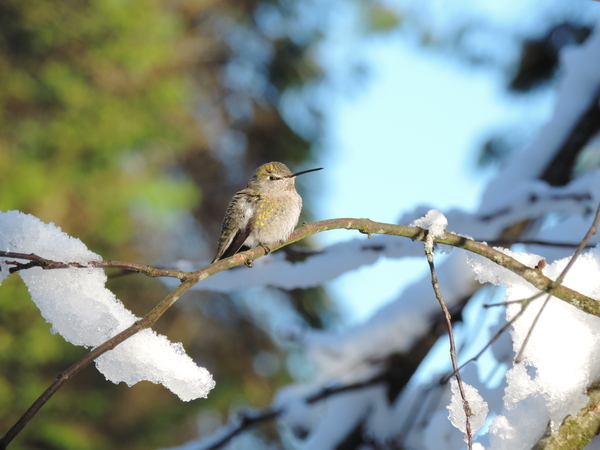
{"x": 408, "y": 137}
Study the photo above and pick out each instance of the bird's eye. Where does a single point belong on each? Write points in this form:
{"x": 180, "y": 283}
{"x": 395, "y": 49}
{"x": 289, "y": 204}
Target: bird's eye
{"x": 272, "y": 178}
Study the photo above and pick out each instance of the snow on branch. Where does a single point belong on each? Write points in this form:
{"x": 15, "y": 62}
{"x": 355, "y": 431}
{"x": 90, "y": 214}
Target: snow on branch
{"x": 79, "y": 307}
{"x": 74, "y": 300}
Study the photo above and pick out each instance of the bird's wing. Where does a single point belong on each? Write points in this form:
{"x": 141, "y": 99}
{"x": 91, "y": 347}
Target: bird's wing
{"x": 240, "y": 208}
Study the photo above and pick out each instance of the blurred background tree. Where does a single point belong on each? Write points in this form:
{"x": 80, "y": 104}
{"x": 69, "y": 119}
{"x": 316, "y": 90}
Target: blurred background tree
{"x": 130, "y": 124}
{"x": 116, "y": 119}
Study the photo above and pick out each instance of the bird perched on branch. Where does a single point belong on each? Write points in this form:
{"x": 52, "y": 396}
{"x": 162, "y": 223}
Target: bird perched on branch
{"x": 264, "y": 213}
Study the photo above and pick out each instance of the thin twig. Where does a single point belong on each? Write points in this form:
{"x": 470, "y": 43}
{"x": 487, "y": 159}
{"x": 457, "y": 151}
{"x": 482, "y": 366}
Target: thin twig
{"x": 593, "y": 229}
{"x": 512, "y": 302}
{"x": 48, "y": 264}
{"x": 448, "y": 317}
{"x": 491, "y": 341}
{"x": 247, "y": 420}
{"x": 510, "y": 242}
{"x": 524, "y": 303}
{"x": 519, "y": 356}
{"x": 334, "y": 390}
{"x": 580, "y": 247}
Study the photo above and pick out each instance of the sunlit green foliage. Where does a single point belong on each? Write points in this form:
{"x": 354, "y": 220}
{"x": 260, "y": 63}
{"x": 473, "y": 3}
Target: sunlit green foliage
{"x": 84, "y": 86}
{"x": 96, "y": 135}
{"x": 92, "y": 109}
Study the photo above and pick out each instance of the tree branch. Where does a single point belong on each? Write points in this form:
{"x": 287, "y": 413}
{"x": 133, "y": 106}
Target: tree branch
{"x": 508, "y": 242}
{"x": 365, "y": 226}
{"x": 576, "y": 431}
{"x": 532, "y": 275}
{"x": 592, "y": 231}
{"x": 368, "y": 227}
{"x": 188, "y": 279}
{"x": 47, "y": 264}
{"x": 448, "y": 318}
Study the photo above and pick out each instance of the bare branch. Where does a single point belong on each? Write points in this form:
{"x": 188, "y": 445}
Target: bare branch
{"x": 366, "y": 226}
{"x": 246, "y": 420}
{"x": 593, "y": 229}
{"x": 509, "y": 242}
{"x": 47, "y": 264}
{"x": 488, "y": 345}
{"x": 580, "y": 247}
{"x": 188, "y": 279}
{"x": 448, "y": 317}
{"x": 532, "y": 275}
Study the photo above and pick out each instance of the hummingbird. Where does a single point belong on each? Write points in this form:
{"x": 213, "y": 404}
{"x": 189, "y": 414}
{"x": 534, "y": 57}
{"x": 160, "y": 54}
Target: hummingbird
{"x": 263, "y": 213}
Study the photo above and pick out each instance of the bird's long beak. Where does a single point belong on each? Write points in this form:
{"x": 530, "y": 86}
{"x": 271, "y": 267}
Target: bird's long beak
{"x": 304, "y": 171}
